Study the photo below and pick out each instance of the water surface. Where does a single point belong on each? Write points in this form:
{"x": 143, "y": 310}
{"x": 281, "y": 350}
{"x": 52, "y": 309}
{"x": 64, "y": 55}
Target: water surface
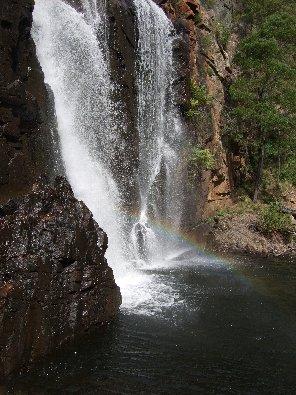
{"x": 192, "y": 324}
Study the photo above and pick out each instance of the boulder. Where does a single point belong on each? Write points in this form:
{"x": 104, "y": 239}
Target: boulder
{"x": 55, "y": 283}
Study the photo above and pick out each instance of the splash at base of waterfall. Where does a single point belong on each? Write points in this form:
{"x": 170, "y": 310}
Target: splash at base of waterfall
{"x": 72, "y": 48}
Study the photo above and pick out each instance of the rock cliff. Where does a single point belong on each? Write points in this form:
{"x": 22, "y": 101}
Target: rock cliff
{"x": 205, "y": 44}
{"x": 54, "y": 279}
{"x": 208, "y": 37}
{"x": 24, "y": 137}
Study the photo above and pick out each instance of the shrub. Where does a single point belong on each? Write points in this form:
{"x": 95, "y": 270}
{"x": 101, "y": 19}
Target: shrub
{"x": 210, "y": 71}
{"x": 288, "y": 171}
{"x": 209, "y": 3}
{"x": 197, "y": 18}
{"x": 199, "y": 98}
{"x": 271, "y": 219}
{"x": 222, "y": 33}
{"x": 206, "y": 41}
{"x": 202, "y": 158}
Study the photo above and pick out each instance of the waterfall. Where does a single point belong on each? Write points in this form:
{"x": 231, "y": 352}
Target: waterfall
{"x": 95, "y": 13}
{"x": 159, "y": 128}
{"x": 76, "y": 69}
{"x": 72, "y": 48}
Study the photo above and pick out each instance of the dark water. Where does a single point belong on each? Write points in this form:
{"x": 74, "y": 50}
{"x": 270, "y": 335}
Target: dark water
{"x": 233, "y": 333}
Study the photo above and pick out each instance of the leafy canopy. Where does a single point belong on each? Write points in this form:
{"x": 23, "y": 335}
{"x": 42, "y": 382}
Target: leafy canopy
{"x": 263, "y": 97}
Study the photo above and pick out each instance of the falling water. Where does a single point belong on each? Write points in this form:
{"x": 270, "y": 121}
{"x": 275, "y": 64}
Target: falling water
{"x": 72, "y": 48}
{"x": 76, "y": 70}
{"x": 159, "y": 127}
{"x": 95, "y": 12}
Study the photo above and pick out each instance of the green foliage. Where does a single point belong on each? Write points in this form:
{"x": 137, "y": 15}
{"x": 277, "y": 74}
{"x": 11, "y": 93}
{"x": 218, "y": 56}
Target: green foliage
{"x": 199, "y": 159}
{"x": 223, "y": 213}
{"x": 206, "y": 41}
{"x": 222, "y": 33}
{"x": 257, "y": 11}
{"x": 209, "y": 3}
{"x": 210, "y": 71}
{"x": 271, "y": 219}
{"x": 199, "y": 99}
{"x": 262, "y": 122}
{"x": 271, "y": 188}
{"x": 197, "y": 18}
{"x": 202, "y": 158}
{"x": 288, "y": 170}
{"x": 244, "y": 206}
{"x": 175, "y": 2}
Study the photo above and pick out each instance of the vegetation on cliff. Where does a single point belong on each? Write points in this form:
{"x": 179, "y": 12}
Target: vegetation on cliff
{"x": 260, "y": 121}
{"x": 251, "y": 52}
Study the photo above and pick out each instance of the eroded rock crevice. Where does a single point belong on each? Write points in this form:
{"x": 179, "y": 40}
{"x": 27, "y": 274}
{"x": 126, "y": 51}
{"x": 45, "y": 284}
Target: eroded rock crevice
{"x": 25, "y": 138}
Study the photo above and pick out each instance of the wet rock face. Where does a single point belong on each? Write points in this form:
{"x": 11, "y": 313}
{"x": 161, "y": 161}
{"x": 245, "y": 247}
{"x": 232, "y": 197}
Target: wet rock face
{"x": 54, "y": 279}
{"x": 23, "y": 101}
{"x": 123, "y": 57}
{"x": 208, "y": 38}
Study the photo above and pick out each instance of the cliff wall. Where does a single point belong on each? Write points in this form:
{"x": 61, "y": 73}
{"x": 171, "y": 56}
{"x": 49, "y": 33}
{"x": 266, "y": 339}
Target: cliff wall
{"x": 55, "y": 283}
{"x": 208, "y": 37}
{"x": 24, "y": 104}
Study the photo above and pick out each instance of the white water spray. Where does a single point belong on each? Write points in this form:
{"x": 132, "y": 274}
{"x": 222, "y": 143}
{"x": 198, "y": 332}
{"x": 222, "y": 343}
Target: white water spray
{"x": 95, "y": 13}
{"x": 159, "y": 127}
{"x": 72, "y": 48}
{"x": 76, "y": 70}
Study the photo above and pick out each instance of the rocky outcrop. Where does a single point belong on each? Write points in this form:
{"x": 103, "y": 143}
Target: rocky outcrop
{"x": 23, "y": 102}
{"x": 241, "y": 234}
{"x": 208, "y": 38}
{"x": 54, "y": 279}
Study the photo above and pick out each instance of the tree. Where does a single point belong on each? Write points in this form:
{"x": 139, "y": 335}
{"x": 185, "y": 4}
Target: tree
{"x": 263, "y": 96}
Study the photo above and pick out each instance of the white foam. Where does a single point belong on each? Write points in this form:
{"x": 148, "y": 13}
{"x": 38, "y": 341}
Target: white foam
{"x": 146, "y": 294}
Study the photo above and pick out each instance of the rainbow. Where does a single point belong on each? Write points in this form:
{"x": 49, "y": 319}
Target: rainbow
{"x": 239, "y": 265}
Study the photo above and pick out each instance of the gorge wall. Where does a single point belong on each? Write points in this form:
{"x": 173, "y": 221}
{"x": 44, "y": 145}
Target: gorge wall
{"x": 26, "y": 141}
{"x": 27, "y": 149}
{"x": 25, "y": 138}
{"x": 207, "y": 37}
